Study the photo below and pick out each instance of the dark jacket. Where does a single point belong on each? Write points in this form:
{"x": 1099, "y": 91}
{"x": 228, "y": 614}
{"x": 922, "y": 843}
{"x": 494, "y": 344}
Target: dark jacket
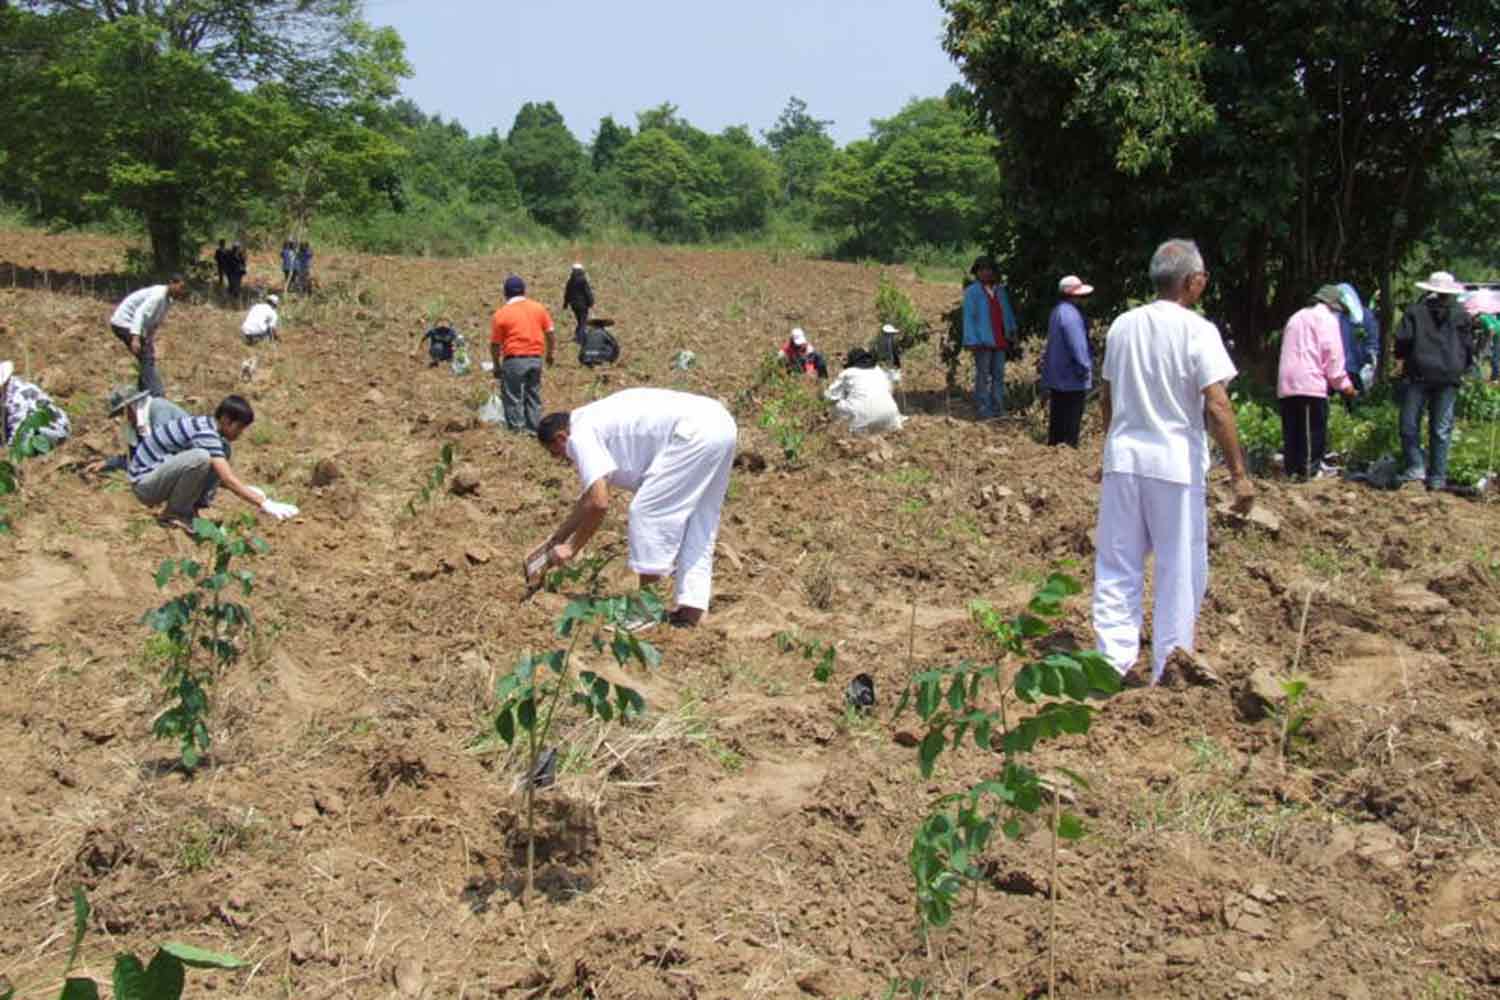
{"x": 578, "y": 294}
{"x": 1435, "y": 344}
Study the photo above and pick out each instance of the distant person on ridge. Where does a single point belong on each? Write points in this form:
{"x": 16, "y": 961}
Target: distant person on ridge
{"x": 799, "y": 355}
{"x": 135, "y": 322}
{"x": 288, "y": 263}
{"x": 304, "y": 265}
{"x": 1067, "y": 365}
{"x": 989, "y": 331}
{"x": 521, "y": 333}
{"x": 1436, "y": 348}
{"x": 221, "y": 263}
{"x": 578, "y": 295}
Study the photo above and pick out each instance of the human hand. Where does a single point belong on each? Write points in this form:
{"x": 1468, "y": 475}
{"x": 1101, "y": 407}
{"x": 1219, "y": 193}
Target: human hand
{"x": 1244, "y": 495}
{"x": 560, "y": 554}
{"x": 258, "y": 493}
{"x": 549, "y": 361}
{"x": 280, "y": 511}
{"x": 1349, "y": 391}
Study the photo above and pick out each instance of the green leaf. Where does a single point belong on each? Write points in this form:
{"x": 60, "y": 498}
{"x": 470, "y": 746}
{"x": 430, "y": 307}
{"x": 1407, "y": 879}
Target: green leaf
{"x": 505, "y": 725}
{"x": 629, "y": 701}
{"x": 1051, "y": 680}
{"x": 164, "y": 573}
{"x": 79, "y": 989}
{"x": 526, "y": 713}
{"x": 1028, "y": 683}
{"x": 80, "y": 926}
{"x": 202, "y": 958}
{"x": 130, "y": 979}
{"x": 1011, "y": 828}
{"x": 956, "y": 694}
{"x": 823, "y": 672}
{"x": 1069, "y": 827}
{"x": 1032, "y": 627}
{"x": 927, "y": 753}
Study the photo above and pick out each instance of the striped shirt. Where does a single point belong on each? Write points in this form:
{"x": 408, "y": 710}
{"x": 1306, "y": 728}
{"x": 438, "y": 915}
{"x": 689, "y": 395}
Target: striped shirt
{"x": 166, "y": 440}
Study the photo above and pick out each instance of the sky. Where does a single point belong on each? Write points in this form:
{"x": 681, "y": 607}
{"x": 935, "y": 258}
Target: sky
{"x": 722, "y": 64}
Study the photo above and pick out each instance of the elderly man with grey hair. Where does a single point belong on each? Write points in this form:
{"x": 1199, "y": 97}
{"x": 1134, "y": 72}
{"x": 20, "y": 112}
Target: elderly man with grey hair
{"x": 1165, "y": 371}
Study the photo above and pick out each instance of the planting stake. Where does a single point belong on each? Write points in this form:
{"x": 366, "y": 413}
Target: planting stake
{"x": 1052, "y": 904}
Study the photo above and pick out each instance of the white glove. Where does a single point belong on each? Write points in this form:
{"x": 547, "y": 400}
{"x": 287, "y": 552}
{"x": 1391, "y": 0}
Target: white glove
{"x": 258, "y": 493}
{"x": 280, "y": 511}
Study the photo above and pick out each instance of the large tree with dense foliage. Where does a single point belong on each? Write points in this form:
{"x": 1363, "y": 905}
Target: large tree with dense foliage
{"x": 1298, "y": 141}
{"x": 925, "y": 177}
{"x": 803, "y": 149}
{"x": 179, "y": 110}
{"x": 549, "y": 165}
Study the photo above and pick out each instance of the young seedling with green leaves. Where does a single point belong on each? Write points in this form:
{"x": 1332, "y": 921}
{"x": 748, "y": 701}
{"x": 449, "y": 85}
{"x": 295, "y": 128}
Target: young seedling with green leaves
{"x": 955, "y": 702}
{"x": 434, "y": 480}
{"x": 198, "y": 632}
{"x": 822, "y": 654}
{"x": 528, "y": 697}
{"x": 27, "y": 442}
{"x": 163, "y": 979}
{"x": 1291, "y": 716}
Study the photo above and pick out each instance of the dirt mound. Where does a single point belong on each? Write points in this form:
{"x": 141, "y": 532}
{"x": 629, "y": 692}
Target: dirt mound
{"x": 356, "y": 834}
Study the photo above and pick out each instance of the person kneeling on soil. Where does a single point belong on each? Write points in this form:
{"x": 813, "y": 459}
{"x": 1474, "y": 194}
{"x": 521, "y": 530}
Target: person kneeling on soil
{"x": 19, "y": 399}
{"x": 674, "y": 450}
{"x": 261, "y": 321}
{"x": 799, "y": 355}
{"x": 181, "y": 463}
{"x": 441, "y": 341}
{"x": 862, "y": 395}
{"x": 598, "y": 346}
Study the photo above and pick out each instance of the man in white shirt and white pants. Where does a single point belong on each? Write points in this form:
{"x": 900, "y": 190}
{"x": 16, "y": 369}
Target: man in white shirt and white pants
{"x": 261, "y": 321}
{"x": 1165, "y": 372}
{"x": 674, "y": 450}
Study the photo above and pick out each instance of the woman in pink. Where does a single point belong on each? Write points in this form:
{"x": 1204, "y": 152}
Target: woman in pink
{"x": 1312, "y": 363}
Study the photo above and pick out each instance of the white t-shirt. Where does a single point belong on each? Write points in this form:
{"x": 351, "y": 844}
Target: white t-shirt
{"x": 142, "y": 311}
{"x": 864, "y": 396}
{"x": 618, "y": 437}
{"x": 260, "y": 321}
{"x": 1158, "y": 359}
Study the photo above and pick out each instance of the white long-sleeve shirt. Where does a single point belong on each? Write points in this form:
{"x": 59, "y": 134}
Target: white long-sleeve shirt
{"x": 863, "y": 395}
{"x": 143, "y": 310}
{"x": 260, "y": 321}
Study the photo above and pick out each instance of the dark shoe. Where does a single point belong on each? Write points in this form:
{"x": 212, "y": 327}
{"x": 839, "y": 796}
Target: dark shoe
{"x": 679, "y": 620}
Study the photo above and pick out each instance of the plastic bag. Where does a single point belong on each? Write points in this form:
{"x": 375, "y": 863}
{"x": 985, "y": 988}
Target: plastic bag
{"x": 493, "y": 411}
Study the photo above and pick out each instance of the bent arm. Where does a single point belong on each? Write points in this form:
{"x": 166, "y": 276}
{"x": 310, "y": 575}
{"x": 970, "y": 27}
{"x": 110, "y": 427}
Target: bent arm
{"x": 584, "y": 519}
{"x": 233, "y": 484}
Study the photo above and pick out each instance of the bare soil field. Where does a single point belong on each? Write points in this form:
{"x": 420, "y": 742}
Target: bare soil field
{"x": 352, "y": 834}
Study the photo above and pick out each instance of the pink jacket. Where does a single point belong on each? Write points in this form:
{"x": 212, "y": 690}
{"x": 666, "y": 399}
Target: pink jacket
{"x": 1312, "y": 354}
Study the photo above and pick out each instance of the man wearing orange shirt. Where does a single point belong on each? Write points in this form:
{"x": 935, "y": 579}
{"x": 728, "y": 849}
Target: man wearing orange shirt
{"x": 519, "y": 333}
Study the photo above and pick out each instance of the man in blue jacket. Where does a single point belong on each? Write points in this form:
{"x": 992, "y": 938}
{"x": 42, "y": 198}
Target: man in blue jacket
{"x": 1067, "y": 366}
{"x": 989, "y": 331}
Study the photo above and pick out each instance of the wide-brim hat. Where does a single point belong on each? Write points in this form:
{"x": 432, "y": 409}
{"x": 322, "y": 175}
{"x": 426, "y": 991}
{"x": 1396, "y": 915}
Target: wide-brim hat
{"x": 1442, "y": 283}
{"x": 7, "y": 369}
{"x": 1074, "y": 285}
{"x": 601, "y": 321}
{"x": 1330, "y": 296}
{"x": 122, "y": 396}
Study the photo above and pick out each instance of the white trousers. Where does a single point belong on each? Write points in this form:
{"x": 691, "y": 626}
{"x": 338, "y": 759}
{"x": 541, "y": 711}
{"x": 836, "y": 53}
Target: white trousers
{"x": 1139, "y": 516}
{"x": 674, "y": 518}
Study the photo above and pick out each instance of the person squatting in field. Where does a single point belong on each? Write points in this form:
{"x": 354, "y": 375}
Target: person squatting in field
{"x": 261, "y": 322}
{"x": 520, "y": 333}
{"x": 182, "y": 462}
{"x": 1312, "y": 363}
{"x": 136, "y": 321}
{"x": 674, "y": 450}
{"x": 19, "y": 399}
{"x": 1165, "y": 371}
{"x": 862, "y": 395}
{"x": 800, "y": 356}
{"x": 139, "y": 411}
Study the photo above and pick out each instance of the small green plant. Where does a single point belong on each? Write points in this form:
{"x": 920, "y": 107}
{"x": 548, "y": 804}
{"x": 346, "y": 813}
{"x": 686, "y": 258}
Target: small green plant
{"x": 895, "y": 307}
{"x": 820, "y": 653}
{"x": 434, "y": 480}
{"x": 1291, "y": 716}
{"x": 28, "y": 441}
{"x": 583, "y": 572}
{"x": 197, "y": 633}
{"x": 955, "y": 702}
{"x": 790, "y": 406}
{"x": 528, "y": 697}
{"x": 163, "y": 979}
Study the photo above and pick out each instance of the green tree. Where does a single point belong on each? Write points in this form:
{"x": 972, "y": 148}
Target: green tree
{"x": 802, "y": 148}
{"x": 660, "y": 177}
{"x": 172, "y": 107}
{"x": 549, "y": 166}
{"x": 1298, "y": 142}
{"x": 608, "y": 142}
{"x": 926, "y": 177}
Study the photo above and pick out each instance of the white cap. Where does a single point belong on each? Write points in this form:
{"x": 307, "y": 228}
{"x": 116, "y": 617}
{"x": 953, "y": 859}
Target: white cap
{"x": 7, "y": 368}
{"x": 577, "y": 266}
{"x": 274, "y": 299}
{"x": 798, "y": 337}
{"x": 1073, "y": 285}
{"x": 889, "y": 329}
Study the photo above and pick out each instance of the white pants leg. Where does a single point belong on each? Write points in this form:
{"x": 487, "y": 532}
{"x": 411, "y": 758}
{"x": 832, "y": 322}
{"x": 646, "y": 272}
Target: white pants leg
{"x": 1139, "y": 516}
{"x": 1120, "y": 548}
{"x": 674, "y": 518}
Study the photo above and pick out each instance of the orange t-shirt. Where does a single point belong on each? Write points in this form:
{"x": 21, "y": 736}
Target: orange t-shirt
{"x": 520, "y": 327}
